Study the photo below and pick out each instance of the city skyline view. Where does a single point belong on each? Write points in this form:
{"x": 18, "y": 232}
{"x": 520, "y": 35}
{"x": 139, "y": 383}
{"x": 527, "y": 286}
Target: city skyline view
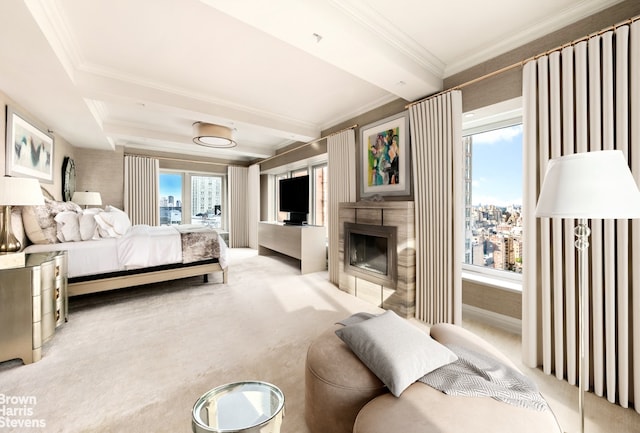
{"x": 497, "y": 167}
{"x": 171, "y": 184}
{"x": 493, "y": 222}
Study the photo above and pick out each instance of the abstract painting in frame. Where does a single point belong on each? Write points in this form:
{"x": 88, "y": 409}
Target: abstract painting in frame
{"x": 29, "y": 150}
{"x": 384, "y": 153}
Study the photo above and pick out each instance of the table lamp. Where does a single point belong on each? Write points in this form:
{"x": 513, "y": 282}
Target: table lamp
{"x": 16, "y": 191}
{"x": 590, "y": 185}
{"x": 87, "y": 198}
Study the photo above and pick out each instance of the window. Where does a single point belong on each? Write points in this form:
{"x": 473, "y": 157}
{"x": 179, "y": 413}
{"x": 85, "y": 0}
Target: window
{"x": 320, "y": 195}
{"x": 170, "y": 198}
{"x": 493, "y": 199}
{"x": 206, "y": 200}
{"x": 189, "y": 198}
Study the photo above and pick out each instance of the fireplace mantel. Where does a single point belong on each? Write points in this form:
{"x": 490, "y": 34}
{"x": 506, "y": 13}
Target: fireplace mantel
{"x": 399, "y": 214}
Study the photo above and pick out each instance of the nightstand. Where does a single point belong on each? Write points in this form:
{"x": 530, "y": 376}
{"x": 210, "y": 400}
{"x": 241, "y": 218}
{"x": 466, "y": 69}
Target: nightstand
{"x": 33, "y": 302}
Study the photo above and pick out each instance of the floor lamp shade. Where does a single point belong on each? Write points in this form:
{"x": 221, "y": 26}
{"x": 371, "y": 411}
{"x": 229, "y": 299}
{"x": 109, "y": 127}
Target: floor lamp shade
{"x": 16, "y": 191}
{"x": 590, "y": 185}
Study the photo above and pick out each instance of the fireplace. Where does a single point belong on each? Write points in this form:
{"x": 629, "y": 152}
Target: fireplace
{"x": 370, "y": 252}
{"x": 376, "y": 253}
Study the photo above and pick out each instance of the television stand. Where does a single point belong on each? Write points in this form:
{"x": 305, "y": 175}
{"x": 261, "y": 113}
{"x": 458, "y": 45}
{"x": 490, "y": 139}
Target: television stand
{"x": 306, "y": 243}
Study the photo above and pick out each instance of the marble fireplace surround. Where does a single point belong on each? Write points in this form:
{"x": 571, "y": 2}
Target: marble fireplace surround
{"x": 400, "y": 214}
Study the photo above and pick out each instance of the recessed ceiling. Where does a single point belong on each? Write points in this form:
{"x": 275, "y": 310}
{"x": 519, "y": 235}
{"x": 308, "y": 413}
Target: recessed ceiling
{"x": 139, "y": 73}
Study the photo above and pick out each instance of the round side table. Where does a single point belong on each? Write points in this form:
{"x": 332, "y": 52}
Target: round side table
{"x": 247, "y": 407}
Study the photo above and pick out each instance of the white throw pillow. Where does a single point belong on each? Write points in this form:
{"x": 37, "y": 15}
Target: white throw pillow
{"x": 67, "y": 226}
{"x": 88, "y": 224}
{"x": 112, "y": 223}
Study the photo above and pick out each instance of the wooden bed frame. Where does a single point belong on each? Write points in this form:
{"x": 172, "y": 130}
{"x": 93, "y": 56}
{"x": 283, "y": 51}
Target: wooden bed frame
{"x": 137, "y": 277}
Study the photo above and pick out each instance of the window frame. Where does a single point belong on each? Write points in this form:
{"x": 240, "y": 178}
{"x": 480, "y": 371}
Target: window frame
{"x": 495, "y": 277}
{"x": 186, "y": 193}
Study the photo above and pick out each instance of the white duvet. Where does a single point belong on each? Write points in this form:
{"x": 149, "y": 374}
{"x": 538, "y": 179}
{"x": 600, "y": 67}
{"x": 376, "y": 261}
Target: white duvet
{"x": 141, "y": 246}
{"x": 144, "y": 246}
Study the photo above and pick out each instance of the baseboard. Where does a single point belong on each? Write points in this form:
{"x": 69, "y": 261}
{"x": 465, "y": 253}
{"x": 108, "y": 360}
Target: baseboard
{"x": 500, "y": 321}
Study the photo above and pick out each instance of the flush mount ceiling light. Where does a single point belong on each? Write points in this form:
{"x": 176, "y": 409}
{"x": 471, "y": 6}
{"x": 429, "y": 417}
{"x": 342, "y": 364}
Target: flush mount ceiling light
{"x": 210, "y": 135}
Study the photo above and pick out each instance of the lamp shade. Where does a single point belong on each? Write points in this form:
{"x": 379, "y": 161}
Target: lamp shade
{"x": 210, "y": 135}
{"x": 87, "y": 198}
{"x": 20, "y": 191}
{"x": 589, "y": 185}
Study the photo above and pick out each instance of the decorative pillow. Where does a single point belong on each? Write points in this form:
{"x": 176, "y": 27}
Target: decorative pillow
{"x": 68, "y": 226}
{"x": 394, "y": 350}
{"x": 39, "y": 223}
{"x": 112, "y": 223}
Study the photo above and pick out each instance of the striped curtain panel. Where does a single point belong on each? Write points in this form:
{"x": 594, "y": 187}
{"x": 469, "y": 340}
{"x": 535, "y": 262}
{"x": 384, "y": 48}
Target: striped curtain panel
{"x": 142, "y": 189}
{"x": 238, "y": 206}
{"x": 341, "y": 153}
{"x": 579, "y": 99}
{"x": 437, "y": 163}
{"x": 253, "y": 205}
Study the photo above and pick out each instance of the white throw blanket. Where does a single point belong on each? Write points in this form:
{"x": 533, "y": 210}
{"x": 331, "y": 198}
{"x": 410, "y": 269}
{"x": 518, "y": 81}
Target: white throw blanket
{"x": 479, "y": 375}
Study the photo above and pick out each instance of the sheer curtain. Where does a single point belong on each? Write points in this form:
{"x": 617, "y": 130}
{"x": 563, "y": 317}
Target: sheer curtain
{"x": 585, "y": 97}
{"x": 341, "y": 152}
{"x": 142, "y": 190}
{"x": 437, "y": 163}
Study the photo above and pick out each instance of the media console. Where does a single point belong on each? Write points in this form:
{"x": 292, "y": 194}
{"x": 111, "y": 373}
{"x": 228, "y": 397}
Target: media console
{"x": 305, "y": 242}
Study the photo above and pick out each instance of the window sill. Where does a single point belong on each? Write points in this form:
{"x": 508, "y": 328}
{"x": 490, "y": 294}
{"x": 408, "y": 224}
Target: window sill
{"x": 505, "y": 284}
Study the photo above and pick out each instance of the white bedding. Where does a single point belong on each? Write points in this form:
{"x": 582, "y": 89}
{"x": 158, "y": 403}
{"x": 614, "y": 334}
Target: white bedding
{"x": 86, "y": 257}
{"x": 142, "y": 246}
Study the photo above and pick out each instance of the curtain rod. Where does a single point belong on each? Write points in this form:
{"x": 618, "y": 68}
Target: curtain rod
{"x": 522, "y": 62}
{"x": 307, "y": 143}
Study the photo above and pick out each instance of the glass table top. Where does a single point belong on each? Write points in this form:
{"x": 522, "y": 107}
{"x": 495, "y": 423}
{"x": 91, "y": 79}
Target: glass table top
{"x": 250, "y": 406}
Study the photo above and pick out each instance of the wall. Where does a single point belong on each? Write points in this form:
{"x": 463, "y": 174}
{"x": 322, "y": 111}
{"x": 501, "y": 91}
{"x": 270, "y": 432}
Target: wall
{"x": 61, "y": 147}
{"x": 101, "y": 171}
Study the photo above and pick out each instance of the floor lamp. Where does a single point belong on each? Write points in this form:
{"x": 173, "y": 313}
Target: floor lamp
{"x": 591, "y": 185}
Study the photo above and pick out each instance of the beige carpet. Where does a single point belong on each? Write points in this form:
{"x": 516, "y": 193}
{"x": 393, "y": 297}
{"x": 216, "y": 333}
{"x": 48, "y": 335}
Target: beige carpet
{"x": 136, "y": 360}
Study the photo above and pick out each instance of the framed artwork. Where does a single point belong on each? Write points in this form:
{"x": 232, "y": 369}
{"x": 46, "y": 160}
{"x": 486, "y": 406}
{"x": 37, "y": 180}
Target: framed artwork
{"x": 384, "y": 157}
{"x": 29, "y": 149}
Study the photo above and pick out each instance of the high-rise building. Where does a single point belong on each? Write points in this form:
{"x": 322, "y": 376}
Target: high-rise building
{"x": 206, "y": 193}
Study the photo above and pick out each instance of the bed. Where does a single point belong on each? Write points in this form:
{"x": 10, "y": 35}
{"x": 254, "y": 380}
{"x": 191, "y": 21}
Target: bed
{"x": 105, "y": 252}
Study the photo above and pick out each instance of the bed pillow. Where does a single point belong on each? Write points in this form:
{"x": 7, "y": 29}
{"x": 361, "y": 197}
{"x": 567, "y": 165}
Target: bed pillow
{"x": 68, "y": 226}
{"x": 88, "y": 224}
{"x": 39, "y": 223}
{"x": 112, "y": 222}
{"x": 394, "y": 350}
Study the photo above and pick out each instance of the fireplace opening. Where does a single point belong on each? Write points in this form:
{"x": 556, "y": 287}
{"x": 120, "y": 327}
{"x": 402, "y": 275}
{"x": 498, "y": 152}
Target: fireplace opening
{"x": 370, "y": 252}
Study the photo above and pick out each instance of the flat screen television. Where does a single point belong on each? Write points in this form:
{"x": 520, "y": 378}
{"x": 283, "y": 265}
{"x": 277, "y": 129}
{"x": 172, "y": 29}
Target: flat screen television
{"x": 294, "y": 198}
